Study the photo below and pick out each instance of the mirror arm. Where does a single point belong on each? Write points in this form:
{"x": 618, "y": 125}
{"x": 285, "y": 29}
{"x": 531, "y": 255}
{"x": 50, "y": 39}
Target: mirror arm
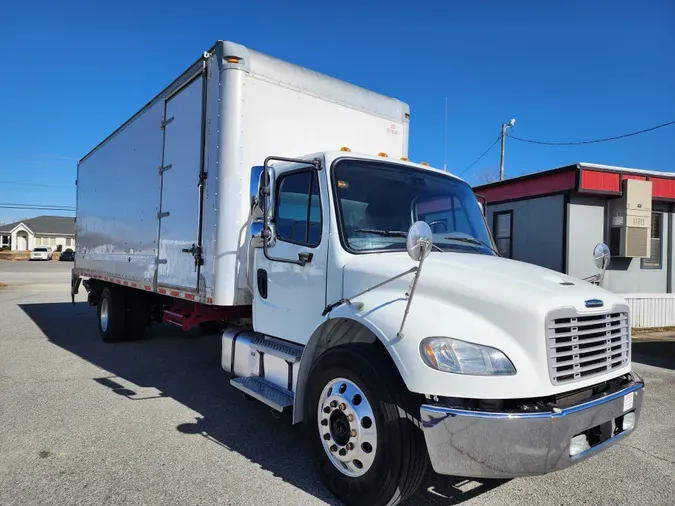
{"x": 348, "y": 300}
{"x": 411, "y": 289}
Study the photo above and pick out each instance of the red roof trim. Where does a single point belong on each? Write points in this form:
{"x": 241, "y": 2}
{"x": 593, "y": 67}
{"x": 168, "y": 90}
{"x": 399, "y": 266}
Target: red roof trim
{"x": 545, "y": 184}
{"x": 595, "y": 180}
{"x": 663, "y": 188}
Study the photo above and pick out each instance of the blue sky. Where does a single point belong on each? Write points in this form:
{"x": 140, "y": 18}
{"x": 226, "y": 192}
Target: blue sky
{"x": 75, "y": 70}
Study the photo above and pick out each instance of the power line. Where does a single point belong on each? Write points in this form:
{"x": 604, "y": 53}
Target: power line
{"x": 593, "y": 141}
{"x": 23, "y": 183}
{"x": 481, "y": 156}
{"x": 37, "y": 207}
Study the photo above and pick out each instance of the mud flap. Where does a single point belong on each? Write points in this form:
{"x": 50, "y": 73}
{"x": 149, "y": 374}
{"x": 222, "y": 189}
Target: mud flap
{"x": 75, "y": 281}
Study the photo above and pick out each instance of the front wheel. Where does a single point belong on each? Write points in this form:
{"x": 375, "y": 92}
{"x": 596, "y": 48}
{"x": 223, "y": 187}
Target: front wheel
{"x": 362, "y": 425}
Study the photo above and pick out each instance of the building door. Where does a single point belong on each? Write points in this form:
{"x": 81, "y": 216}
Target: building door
{"x": 180, "y": 205}
{"x": 21, "y": 241}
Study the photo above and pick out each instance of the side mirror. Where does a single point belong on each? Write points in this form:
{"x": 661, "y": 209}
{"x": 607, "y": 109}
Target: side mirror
{"x": 601, "y": 256}
{"x": 257, "y": 240}
{"x": 266, "y": 193}
{"x": 419, "y": 240}
{"x": 254, "y": 192}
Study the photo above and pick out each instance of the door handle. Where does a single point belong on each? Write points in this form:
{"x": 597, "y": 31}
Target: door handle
{"x": 262, "y": 282}
{"x": 305, "y": 257}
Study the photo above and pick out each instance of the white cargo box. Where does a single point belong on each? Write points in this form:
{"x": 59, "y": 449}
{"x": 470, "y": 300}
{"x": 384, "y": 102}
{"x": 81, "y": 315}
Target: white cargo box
{"x": 171, "y": 185}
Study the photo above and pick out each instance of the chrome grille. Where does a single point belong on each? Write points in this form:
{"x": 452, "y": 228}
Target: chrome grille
{"x": 582, "y": 346}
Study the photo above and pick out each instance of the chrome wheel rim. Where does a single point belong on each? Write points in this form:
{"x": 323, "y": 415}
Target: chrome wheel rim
{"x": 104, "y": 315}
{"x": 347, "y": 427}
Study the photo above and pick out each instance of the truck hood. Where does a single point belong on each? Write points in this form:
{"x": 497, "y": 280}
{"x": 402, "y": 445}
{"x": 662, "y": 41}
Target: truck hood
{"x": 489, "y": 279}
{"x": 481, "y": 299}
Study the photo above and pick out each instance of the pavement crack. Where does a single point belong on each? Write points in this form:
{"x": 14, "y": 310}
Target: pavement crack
{"x": 650, "y": 454}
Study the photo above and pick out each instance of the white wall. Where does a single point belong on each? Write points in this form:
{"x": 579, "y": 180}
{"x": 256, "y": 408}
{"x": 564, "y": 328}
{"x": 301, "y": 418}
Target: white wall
{"x": 587, "y": 227}
{"x": 651, "y": 309}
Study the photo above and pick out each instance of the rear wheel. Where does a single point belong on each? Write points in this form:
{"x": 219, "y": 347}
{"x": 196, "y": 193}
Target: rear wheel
{"x": 111, "y": 315}
{"x": 122, "y": 314}
{"x": 360, "y": 424}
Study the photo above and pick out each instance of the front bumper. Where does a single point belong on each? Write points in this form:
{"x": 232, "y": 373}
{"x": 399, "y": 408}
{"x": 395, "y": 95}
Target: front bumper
{"x": 507, "y": 445}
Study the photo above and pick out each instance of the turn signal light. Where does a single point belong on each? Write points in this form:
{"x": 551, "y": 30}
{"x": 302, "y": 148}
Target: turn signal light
{"x": 424, "y": 163}
{"x": 382, "y": 154}
{"x": 345, "y": 148}
{"x": 404, "y": 159}
{"x": 233, "y": 59}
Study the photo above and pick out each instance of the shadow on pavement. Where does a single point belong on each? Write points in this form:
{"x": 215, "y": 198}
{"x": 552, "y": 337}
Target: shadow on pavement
{"x": 655, "y": 352}
{"x": 186, "y": 367}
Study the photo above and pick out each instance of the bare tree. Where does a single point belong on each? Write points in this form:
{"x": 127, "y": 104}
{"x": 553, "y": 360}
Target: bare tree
{"x": 488, "y": 175}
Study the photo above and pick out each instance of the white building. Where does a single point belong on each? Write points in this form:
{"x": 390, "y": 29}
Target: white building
{"x": 53, "y": 231}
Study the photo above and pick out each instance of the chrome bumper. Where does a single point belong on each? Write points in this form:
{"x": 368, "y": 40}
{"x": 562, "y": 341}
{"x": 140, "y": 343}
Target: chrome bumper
{"x": 507, "y": 445}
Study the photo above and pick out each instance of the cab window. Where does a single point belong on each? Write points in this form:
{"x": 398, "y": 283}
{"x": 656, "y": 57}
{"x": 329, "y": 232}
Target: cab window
{"x": 298, "y": 210}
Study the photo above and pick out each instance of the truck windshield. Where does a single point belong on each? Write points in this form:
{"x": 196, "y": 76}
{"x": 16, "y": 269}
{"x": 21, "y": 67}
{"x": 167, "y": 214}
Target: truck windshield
{"x": 377, "y": 202}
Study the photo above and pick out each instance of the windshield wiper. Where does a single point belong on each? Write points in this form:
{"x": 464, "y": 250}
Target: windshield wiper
{"x": 391, "y": 233}
{"x": 385, "y": 233}
{"x": 473, "y": 240}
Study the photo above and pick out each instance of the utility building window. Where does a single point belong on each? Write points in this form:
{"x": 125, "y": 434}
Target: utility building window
{"x": 654, "y": 260}
{"x": 502, "y": 225}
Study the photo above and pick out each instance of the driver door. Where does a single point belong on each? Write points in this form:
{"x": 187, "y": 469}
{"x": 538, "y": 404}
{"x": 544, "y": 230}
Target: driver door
{"x": 289, "y": 298}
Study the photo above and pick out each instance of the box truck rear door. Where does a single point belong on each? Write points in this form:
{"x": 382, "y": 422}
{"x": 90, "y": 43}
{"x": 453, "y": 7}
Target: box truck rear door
{"x": 181, "y": 195}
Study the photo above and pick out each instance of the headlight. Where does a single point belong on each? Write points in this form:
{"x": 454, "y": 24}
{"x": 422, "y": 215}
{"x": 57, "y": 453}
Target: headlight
{"x": 451, "y": 355}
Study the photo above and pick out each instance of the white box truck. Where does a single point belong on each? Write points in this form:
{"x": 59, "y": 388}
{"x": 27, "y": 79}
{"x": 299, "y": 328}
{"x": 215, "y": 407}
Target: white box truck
{"x": 356, "y": 289}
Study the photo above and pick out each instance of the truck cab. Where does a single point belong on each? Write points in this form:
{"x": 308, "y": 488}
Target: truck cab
{"x": 385, "y": 319}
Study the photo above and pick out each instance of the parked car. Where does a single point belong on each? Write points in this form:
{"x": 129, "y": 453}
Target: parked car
{"x": 41, "y": 253}
{"x": 67, "y": 256}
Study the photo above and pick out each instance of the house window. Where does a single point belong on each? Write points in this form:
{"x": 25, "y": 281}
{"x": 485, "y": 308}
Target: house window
{"x": 69, "y": 242}
{"x": 654, "y": 259}
{"x": 502, "y": 229}
{"x": 298, "y": 216}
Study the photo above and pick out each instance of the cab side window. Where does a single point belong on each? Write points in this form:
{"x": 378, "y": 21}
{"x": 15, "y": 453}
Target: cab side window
{"x": 298, "y": 213}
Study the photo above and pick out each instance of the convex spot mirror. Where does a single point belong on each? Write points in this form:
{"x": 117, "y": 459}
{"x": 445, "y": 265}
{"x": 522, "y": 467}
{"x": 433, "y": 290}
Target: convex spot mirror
{"x": 601, "y": 256}
{"x": 419, "y": 240}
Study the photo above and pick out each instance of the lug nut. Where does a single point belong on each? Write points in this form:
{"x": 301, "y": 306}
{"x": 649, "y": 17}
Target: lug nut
{"x": 326, "y": 436}
{"x": 353, "y": 433}
{"x": 326, "y": 409}
{"x": 333, "y": 448}
{"x": 350, "y": 417}
{"x": 343, "y": 406}
{"x": 333, "y": 404}
{"x": 350, "y": 446}
{"x": 343, "y": 452}
{"x": 324, "y": 422}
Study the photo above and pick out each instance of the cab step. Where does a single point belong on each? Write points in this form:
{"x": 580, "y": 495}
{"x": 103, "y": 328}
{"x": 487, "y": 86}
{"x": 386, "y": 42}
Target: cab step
{"x": 291, "y": 353}
{"x": 261, "y": 389}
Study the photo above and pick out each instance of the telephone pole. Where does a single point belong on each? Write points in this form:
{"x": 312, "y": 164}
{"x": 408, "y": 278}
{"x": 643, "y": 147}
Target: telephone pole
{"x": 445, "y": 138}
{"x": 501, "y": 162}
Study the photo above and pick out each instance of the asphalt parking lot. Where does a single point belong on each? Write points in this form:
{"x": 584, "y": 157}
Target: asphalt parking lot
{"x": 156, "y": 422}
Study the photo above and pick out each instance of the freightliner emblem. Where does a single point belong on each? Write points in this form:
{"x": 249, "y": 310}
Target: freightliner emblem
{"x": 594, "y": 303}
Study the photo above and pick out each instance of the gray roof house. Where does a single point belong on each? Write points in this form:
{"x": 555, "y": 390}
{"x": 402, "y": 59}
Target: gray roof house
{"x": 50, "y": 231}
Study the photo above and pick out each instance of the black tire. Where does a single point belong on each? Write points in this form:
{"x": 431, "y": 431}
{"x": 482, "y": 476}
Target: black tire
{"x": 111, "y": 312}
{"x": 401, "y": 459}
{"x": 137, "y": 314}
